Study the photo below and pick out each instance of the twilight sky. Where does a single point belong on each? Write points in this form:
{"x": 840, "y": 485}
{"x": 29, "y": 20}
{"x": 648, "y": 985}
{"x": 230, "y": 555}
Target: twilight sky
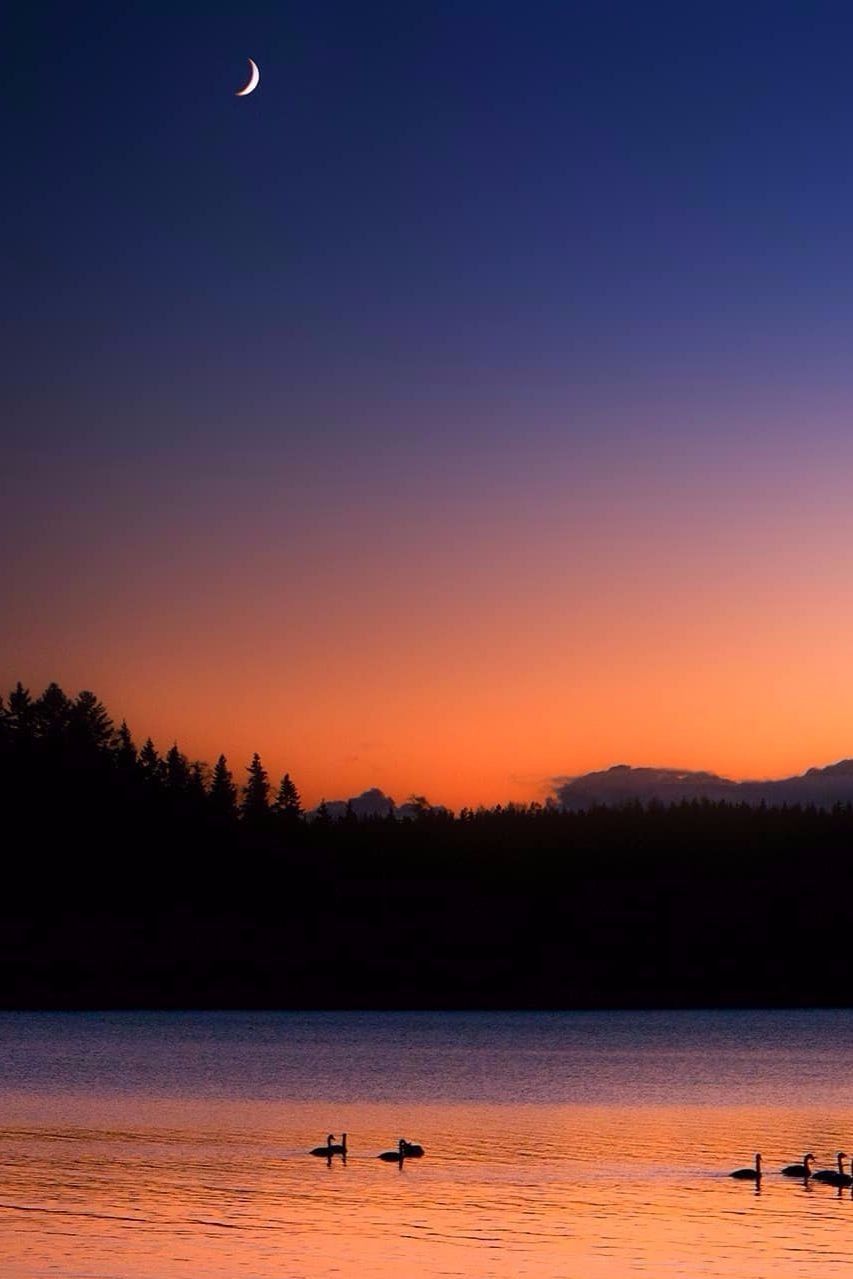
{"x": 471, "y": 404}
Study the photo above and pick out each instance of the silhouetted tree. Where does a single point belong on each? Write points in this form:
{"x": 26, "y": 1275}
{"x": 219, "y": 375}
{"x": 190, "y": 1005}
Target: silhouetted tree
{"x": 223, "y": 793}
{"x": 21, "y": 713}
{"x": 150, "y": 764}
{"x": 177, "y": 770}
{"x": 195, "y": 798}
{"x": 420, "y": 804}
{"x": 126, "y": 752}
{"x": 198, "y": 779}
{"x": 51, "y": 713}
{"x": 532, "y": 905}
{"x": 89, "y": 724}
{"x": 255, "y": 803}
{"x": 287, "y": 801}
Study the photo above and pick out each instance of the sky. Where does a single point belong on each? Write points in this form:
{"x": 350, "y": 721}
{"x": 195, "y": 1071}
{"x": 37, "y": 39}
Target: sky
{"x": 470, "y": 405}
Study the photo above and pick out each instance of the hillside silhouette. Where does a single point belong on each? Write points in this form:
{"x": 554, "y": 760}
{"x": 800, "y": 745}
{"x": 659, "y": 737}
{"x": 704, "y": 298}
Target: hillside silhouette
{"x": 135, "y": 878}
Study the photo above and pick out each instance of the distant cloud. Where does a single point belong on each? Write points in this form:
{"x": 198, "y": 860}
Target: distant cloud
{"x": 373, "y": 803}
{"x": 623, "y": 784}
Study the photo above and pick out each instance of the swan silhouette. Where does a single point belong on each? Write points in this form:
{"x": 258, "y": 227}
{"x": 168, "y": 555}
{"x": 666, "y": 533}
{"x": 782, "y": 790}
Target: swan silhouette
{"x": 800, "y": 1170}
{"x": 412, "y": 1150}
{"x": 326, "y": 1152}
{"x": 394, "y": 1156}
{"x": 748, "y": 1174}
{"x": 831, "y": 1177}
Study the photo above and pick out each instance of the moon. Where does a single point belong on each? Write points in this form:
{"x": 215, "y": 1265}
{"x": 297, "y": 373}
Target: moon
{"x": 252, "y": 83}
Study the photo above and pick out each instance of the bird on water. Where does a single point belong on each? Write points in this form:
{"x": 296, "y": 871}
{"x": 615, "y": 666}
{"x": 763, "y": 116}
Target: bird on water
{"x": 800, "y": 1170}
{"x": 835, "y": 1177}
{"x": 748, "y": 1174}
{"x": 394, "y": 1156}
{"x": 412, "y": 1150}
{"x": 330, "y": 1147}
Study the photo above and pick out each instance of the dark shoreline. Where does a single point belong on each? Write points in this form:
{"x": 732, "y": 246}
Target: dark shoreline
{"x": 699, "y": 906}
{"x": 135, "y": 882}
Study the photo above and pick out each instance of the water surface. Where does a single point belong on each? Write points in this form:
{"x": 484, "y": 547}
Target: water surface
{"x": 165, "y": 1146}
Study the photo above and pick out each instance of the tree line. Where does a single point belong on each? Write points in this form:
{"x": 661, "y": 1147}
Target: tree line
{"x": 77, "y": 735}
{"x": 133, "y": 879}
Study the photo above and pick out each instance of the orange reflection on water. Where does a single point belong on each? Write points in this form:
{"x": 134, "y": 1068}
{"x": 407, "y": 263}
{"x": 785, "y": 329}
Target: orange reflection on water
{"x": 173, "y": 1190}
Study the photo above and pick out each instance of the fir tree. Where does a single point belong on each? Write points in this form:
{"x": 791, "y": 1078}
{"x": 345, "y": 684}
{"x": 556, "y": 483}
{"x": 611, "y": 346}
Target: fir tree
{"x": 150, "y": 763}
{"x": 287, "y": 801}
{"x": 21, "y": 712}
{"x": 196, "y": 787}
{"x": 52, "y": 712}
{"x": 197, "y": 784}
{"x": 126, "y": 752}
{"x": 89, "y": 722}
{"x": 177, "y": 770}
{"x": 256, "y": 795}
{"x": 223, "y": 793}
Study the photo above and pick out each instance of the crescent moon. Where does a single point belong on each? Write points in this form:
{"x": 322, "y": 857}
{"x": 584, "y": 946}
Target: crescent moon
{"x": 252, "y": 83}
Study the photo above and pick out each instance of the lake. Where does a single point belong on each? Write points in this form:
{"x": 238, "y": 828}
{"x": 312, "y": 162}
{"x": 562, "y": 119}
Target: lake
{"x": 566, "y": 1145}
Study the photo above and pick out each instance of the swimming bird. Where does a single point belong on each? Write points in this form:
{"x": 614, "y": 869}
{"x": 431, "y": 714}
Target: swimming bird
{"x": 394, "y": 1156}
{"x": 831, "y": 1177}
{"x": 412, "y": 1150}
{"x": 748, "y": 1174}
{"x": 328, "y": 1149}
{"x": 340, "y": 1149}
{"x": 800, "y": 1170}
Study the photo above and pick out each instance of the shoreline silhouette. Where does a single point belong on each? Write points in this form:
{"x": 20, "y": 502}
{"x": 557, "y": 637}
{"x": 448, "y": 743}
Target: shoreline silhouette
{"x": 135, "y": 879}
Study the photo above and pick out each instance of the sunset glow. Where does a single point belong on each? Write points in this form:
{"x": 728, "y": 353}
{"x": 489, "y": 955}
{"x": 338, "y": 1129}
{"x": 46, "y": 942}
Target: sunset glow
{"x": 440, "y": 465}
{"x": 681, "y": 611}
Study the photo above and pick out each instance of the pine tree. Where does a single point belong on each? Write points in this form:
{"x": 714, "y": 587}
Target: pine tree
{"x": 126, "y": 752}
{"x": 177, "y": 770}
{"x": 51, "y": 713}
{"x": 256, "y": 795}
{"x": 150, "y": 764}
{"x": 322, "y": 817}
{"x": 223, "y": 793}
{"x": 287, "y": 801}
{"x": 90, "y": 725}
{"x": 20, "y": 714}
{"x": 198, "y": 779}
{"x": 196, "y": 788}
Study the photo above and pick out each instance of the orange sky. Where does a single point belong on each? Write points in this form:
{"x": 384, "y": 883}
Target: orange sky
{"x": 432, "y": 421}
{"x": 465, "y": 642}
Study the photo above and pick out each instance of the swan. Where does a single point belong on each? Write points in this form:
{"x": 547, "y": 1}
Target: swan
{"x": 340, "y": 1149}
{"x": 748, "y": 1174}
{"x": 330, "y": 1148}
{"x": 800, "y": 1170}
{"x": 835, "y": 1178}
{"x": 412, "y": 1150}
{"x": 394, "y": 1156}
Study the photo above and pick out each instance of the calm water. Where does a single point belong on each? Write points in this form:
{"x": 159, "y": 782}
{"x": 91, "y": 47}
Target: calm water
{"x": 573, "y": 1146}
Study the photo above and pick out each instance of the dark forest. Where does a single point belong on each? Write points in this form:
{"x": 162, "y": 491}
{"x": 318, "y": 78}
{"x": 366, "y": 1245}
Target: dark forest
{"x": 139, "y": 880}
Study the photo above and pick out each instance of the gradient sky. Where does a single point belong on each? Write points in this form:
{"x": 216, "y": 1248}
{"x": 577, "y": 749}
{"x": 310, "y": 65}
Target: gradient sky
{"x": 470, "y": 405}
